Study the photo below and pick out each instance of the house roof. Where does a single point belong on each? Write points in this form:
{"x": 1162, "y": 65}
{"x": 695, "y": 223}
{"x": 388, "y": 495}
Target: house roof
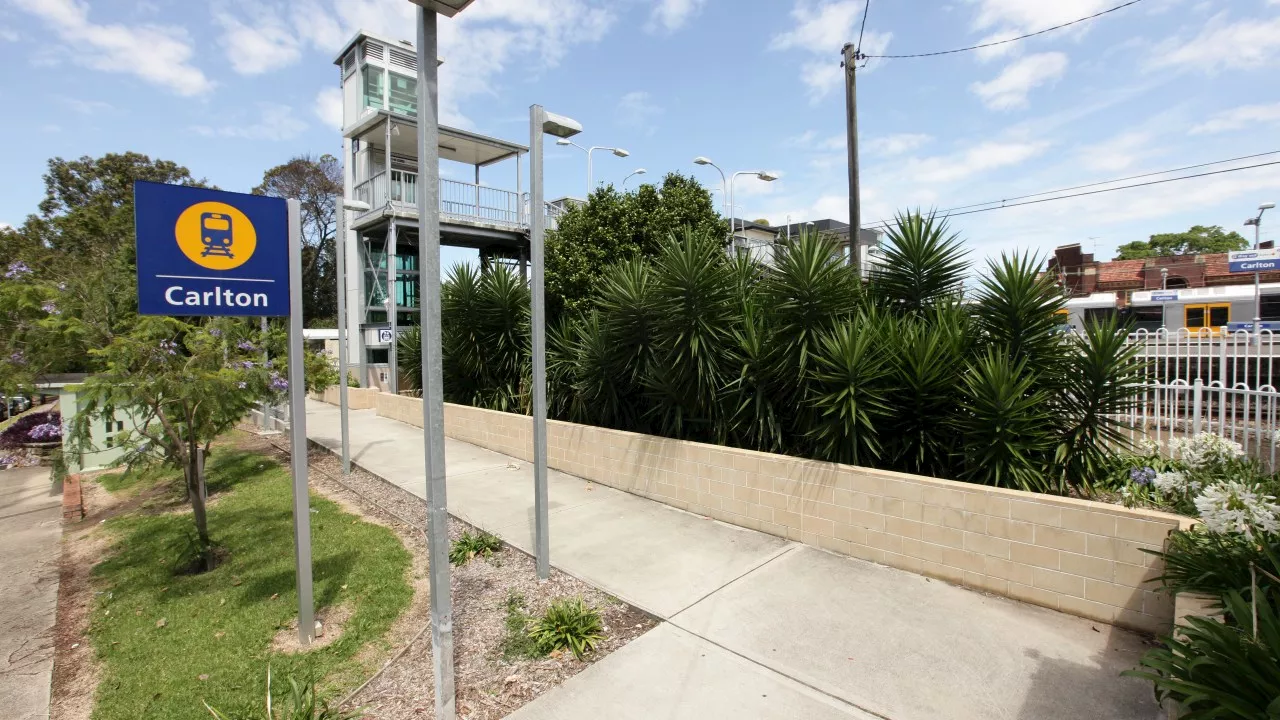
{"x": 1121, "y": 271}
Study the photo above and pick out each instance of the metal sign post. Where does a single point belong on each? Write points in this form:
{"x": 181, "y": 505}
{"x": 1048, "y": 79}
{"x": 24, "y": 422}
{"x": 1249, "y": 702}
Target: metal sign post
{"x": 340, "y": 247}
{"x": 298, "y": 433}
{"x": 211, "y": 253}
{"x": 432, "y": 375}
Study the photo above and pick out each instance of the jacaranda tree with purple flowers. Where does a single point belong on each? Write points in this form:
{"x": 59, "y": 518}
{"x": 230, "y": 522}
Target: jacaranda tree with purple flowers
{"x": 184, "y": 384}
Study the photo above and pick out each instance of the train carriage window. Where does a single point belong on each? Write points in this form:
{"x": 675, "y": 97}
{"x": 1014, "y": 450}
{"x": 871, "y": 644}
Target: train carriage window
{"x": 1095, "y": 315}
{"x": 1146, "y": 318}
{"x": 1271, "y": 307}
{"x": 1206, "y": 316}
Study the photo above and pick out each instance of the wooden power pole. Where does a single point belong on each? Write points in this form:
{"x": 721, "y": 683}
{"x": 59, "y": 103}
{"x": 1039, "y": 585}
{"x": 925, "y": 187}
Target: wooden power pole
{"x": 850, "y": 62}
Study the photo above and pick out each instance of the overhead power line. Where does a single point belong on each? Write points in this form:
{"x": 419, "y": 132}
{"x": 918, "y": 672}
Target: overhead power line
{"x": 866, "y": 9}
{"x": 1001, "y": 42}
{"x": 882, "y": 224}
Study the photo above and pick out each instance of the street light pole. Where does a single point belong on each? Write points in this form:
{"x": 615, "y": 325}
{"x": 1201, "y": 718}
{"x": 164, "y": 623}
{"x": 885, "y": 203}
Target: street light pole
{"x": 638, "y": 171}
{"x": 1256, "y": 222}
{"x": 1164, "y": 304}
{"x": 344, "y": 362}
{"x": 541, "y": 123}
{"x": 761, "y": 174}
{"x": 724, "y": 187}
{"x": 615, "y": 150}
{"x": 432, "y": 376}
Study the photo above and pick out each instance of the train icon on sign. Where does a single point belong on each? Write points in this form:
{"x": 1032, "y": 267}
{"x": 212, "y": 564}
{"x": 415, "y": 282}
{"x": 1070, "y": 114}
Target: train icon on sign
{"x": 215, "y": 235}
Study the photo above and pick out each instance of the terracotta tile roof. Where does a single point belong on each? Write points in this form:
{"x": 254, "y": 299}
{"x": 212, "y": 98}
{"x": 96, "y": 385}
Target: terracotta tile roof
{"x": 1120, "y": 271}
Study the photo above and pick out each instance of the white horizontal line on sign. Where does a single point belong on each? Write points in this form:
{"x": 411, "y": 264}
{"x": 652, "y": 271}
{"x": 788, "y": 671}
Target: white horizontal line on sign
{"x": 219, "y": 279}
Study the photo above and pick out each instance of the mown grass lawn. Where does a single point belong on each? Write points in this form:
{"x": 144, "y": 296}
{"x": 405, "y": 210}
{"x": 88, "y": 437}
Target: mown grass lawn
{"x": 220, "y": 624}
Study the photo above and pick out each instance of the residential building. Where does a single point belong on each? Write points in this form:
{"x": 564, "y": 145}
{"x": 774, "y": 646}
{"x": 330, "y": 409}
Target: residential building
{"x": 758, "y": 239}
{"x": 380, "y": 160}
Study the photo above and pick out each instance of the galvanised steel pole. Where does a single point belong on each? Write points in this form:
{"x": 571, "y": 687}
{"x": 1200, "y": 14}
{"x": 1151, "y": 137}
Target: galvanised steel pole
{"x": 432, "y": 378}
{"x": 298, "y": 434}
{"x": 537, "y": 229}
{"x": 340, "y": 248}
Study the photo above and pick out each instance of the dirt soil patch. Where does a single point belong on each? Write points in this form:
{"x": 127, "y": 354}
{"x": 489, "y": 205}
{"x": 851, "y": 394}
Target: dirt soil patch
{"x": 489, "y": 685}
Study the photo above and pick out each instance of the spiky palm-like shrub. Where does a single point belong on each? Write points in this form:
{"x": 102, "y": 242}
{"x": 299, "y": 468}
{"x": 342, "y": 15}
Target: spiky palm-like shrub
{"x": 1005, "y": 425}
{"x": 851, "y": 364}
{"x": 924, "y": 264}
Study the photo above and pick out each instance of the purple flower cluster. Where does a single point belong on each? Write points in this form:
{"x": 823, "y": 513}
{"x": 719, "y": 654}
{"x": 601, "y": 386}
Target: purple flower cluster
{"x": 215, "y": 332}
{"x": 278, "y": 383}
{"x": 17, "y": 270}
{"x": 51, "y": 307}
{"x": 245, "y": 364}
{"x": 1142, "y": 475}
{"x": 17, "y": 358}
{"x": 169, "y": 347}
{"x": 246, "y": 346}
{"x": 46, "y": 431}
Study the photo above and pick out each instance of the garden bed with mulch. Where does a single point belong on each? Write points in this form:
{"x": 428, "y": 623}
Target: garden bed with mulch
{"x": 492, "y": 678}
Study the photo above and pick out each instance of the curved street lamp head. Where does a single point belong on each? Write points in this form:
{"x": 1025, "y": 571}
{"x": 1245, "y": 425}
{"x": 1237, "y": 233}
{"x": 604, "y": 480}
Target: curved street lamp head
{"x": 702, "y": 160}
{"x": 562, "y": 141}
{"x": 1266, "y": 206}
{"x": 640, "y": 171}
{"x": 766, "y": 176}
{"x": 620, "y": 152}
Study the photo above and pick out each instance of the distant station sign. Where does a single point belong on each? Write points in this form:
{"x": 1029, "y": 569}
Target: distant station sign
{"x": 208, "y": 252}
{"x": 1171, "y": 296}
{"x": 1253, "y": 261}
{"x": 1248, "y": 326}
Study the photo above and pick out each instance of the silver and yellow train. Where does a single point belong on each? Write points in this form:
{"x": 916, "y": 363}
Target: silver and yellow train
{"x": 1218, "y": 308}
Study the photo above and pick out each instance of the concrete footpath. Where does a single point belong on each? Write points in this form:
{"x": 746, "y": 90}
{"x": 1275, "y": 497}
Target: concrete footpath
{"x": 30, "y": 536}
{"x": 760, "y": 627}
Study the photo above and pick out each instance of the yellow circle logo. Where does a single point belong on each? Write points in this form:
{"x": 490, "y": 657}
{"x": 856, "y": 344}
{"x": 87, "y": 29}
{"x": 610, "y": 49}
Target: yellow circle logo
{"x": 215, "y": 235}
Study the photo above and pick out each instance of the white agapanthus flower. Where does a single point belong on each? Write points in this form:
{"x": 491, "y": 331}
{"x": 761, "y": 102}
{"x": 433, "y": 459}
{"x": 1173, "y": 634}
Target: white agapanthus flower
{"x": 1147, "y": 447}
{"x": 1170, "y": 483}
{"x": 1236, "y": 507}
{"x": 1205, "y": 450}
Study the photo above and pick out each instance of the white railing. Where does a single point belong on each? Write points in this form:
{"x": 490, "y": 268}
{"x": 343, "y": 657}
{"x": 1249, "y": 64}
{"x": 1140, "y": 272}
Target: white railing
{"x": 459, "y": 201}
{"x": 1208, "y": 380}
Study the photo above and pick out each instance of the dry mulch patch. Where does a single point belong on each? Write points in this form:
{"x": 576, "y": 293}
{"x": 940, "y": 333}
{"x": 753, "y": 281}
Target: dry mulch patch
{"x": 489, "y": 685}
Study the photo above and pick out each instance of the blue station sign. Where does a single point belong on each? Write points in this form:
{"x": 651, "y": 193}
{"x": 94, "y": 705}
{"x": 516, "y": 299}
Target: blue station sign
{"x": 1248, "y": 326}
{"x": 209, "y": 252}
{"x": 1164, "y": 296}
{"x": 1263, "y": 260}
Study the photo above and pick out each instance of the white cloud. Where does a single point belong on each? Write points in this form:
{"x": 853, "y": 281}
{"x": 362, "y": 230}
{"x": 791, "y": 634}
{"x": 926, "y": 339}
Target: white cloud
{"x": 479, "y": 46}
{"x": 1024, "y": 16}
{"x": 86, "y": 107}
{"x": 671, "y": 15}
{"x": 638, "y": 111}
{"x": 980, "y": 158}
{"x": 276, "y": 123}
{"x": 822, "y": 29}
{"x": 264, "y": 44}
{"x": 328, "y": 107}
{"x": 8, "y": 34}
{"x": 1008, "y": 49}
{"x": 1009, "y": 89}
{"x": 1247, "y": 44}
{"x": 895, "y": 144}
{"x": 1241, "y": 117}
{"x": 1116, "y": 154}
{"x": 159, "y": 54}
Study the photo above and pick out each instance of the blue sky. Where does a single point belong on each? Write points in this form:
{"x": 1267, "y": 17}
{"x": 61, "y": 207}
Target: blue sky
{"x": 229, "y": 88}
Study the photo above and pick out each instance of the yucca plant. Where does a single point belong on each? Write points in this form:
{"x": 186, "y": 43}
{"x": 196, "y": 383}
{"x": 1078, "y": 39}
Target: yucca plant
{"x": 568, "y": 624}
{"x": 923, "y": 264}
{"x": 928, "y": 356}
{"x": 848, "y": 397}
{"x": 1005, "y": 426}
{"x": 1015, "y": 311}
{"x": 1101, "y": 380}
{"x": 693, "y": 287}
{"x": 1219, "y": 670}
{"x": 752, "y": 417}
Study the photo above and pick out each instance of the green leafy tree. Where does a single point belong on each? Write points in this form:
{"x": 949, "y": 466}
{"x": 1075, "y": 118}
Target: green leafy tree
{"x": 77, "y": 260}
{"x": 613, "y": 226}
{"x": 1198, "y": 240}
{"x": 183, "y": 384}
{"x": 316, "y": 183}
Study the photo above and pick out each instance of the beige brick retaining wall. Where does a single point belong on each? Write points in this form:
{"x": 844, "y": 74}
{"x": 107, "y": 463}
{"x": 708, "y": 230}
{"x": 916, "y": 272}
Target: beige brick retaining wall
{"x": 1080, "y": 557}
{"x": 357, "y": 398}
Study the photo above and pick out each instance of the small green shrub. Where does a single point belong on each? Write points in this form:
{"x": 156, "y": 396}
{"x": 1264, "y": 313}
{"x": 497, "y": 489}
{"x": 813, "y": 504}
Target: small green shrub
{"x": 1215, "y": 564}
{"x": 516, "y": 642}
{"x": 1218, "y": 669}
{"x": 568, "y": 624}
{"x": 481, "y": 544}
